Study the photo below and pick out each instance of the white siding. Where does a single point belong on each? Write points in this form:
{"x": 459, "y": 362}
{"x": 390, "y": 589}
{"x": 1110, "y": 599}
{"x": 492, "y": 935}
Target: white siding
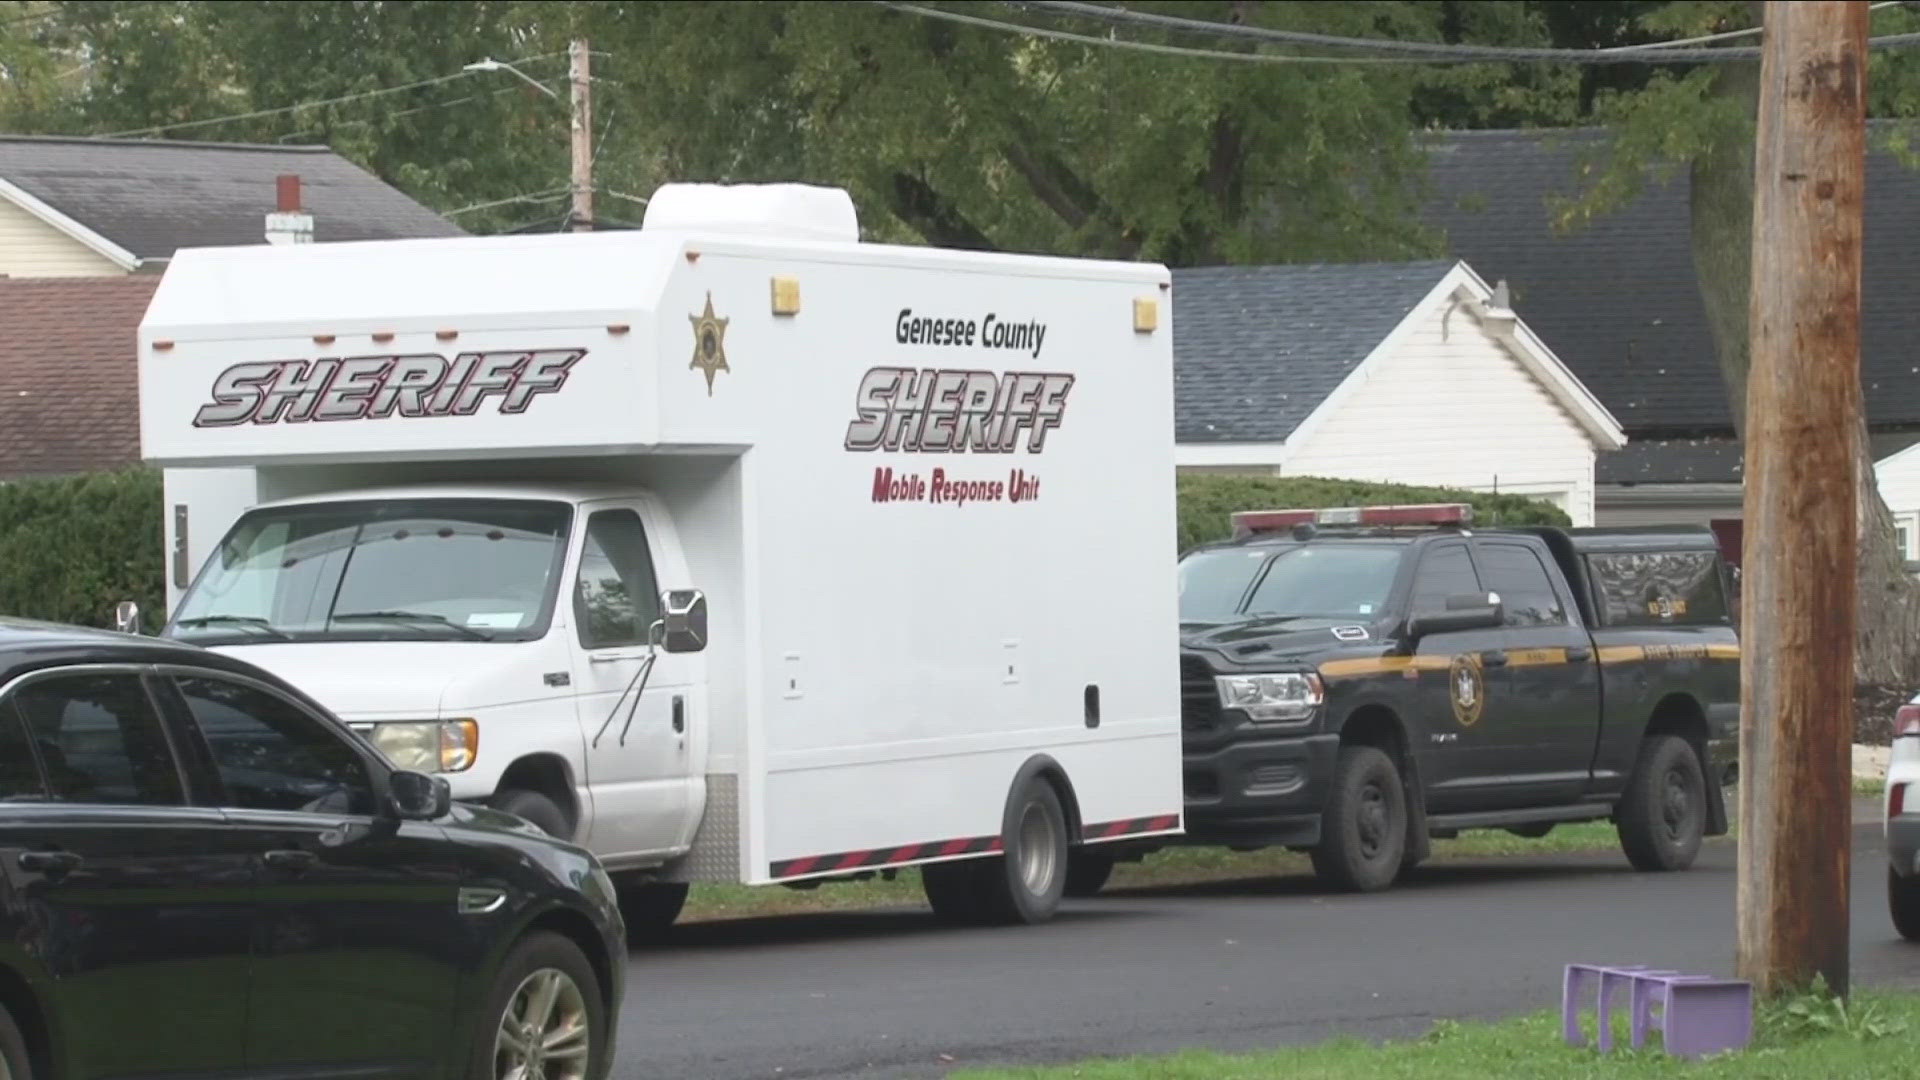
{"x": 31, "y": 248}
{"x": 1899, "y": 481}
{"x": 1455, "y": 410}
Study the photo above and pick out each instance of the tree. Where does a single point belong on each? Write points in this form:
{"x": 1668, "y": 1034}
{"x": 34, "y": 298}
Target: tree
{"x": 1702, "y": 120}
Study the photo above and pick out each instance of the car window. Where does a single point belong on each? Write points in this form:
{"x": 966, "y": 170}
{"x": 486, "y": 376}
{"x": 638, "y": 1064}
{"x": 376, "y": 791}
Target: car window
{"x": 1445, "y": 571}
{"x": 616, "y": 603}
{"x": 1526, "y": 592}
{"x": 19, "y": 775}
{"x": 100, "y": 740}
{"x": 272, "y": 755}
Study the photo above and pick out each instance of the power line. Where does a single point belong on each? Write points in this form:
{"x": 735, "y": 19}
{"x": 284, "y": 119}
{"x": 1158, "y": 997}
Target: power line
{"x": 530, "y": 197}
{"x": 1725, "y": 35}
{"x": 1146, "y": 46}
{"x": 1428, "y": 49}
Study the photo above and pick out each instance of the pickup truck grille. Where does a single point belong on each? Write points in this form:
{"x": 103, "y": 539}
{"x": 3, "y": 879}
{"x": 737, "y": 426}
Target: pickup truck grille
{"x": 1199, "y": 699}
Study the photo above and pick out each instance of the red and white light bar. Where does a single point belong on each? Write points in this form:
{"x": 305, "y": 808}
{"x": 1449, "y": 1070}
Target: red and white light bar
{"x": 1252, "y": 522}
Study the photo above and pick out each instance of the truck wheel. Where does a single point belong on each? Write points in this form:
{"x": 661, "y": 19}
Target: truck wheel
{"x": 1903, "y": 903}
{"x": 536, "y": 808}
{"x": 1363, "y": 833}
{"x": 14, "y": 1063}
{"x": 1663, "y": 815}
{"x": 649, "y": 908}
{"x": 1087, "y": 872}
{"x": 1022, "y": 886}
{"x": 956, "y": 891}
{"x": 545, "y": 1016}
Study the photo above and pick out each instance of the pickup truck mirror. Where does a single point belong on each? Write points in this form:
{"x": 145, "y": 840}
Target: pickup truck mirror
{"x": 1476, "y": 612}
{"x": 684, "y": 623}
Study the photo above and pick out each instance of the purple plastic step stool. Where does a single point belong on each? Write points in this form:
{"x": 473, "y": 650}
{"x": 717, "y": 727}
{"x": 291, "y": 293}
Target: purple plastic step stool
{"x": 1698, "y": 1014}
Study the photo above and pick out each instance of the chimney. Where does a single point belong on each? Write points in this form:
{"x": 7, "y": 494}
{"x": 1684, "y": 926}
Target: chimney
{"x": 289, "y": 224}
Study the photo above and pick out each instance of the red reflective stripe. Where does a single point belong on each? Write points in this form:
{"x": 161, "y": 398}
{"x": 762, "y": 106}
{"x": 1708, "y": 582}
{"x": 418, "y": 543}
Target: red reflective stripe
{"x": 798, "y": 866}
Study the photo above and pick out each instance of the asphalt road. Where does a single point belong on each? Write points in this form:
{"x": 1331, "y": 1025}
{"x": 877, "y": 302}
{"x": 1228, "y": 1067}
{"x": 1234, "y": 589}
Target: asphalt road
{"x": 1235, "y": 966}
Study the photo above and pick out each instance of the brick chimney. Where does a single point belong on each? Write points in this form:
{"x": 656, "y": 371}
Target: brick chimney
{"x": 289, "y": 224}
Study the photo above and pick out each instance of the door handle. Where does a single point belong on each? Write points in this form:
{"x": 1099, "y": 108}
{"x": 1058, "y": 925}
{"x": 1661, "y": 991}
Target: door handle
{"x": 290, "y": 859}
{"x": 1579, "y": 654}
{"x": 52, "y": 863}
{"x": 613, "y": 658}
{"x": 1494, "y": 659}
{"x": 679, "y": 713}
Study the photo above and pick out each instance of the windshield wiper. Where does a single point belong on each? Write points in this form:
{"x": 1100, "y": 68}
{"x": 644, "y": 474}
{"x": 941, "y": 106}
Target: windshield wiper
{"x": 415, "y": 616}
{"x": 251, "y": 622}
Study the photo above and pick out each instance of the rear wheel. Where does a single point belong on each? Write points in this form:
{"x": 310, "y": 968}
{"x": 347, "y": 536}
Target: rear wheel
{"x": 14, "y": 1063}
{"x": 1363, "y": 833}
{"x": 1663, "y": 815}
{"x": 545, "y": 1017}
{"x": 536, "y": 808}
{"x": 1903, "y": 903}
{"x": 1087, "y": 872}
{"x": 649, "y": 908}
{"x": 1022, "y": 886}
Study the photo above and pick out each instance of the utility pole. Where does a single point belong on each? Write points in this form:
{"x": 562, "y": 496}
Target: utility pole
{"x": 582, "y": 121}
{"x": 1802, "y": 529}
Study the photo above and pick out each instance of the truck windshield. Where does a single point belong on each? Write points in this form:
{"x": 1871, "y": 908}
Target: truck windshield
{"x": 429, "y": 569}
{"x": 1329, "y": 581}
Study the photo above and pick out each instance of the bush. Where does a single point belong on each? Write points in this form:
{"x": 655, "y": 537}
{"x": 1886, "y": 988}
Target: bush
{"x": 72, "y": 547}
{"x": 1206, "y": 501}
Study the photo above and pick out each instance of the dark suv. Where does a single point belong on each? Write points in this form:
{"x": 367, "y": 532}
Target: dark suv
{"x": 202, "y": 871}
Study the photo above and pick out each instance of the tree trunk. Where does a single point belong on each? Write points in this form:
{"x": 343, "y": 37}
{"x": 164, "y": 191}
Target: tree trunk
{"x": 1721, "y": 203}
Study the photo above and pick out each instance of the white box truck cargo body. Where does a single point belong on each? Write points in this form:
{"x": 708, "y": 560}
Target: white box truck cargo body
{"x": 733, "y": 547}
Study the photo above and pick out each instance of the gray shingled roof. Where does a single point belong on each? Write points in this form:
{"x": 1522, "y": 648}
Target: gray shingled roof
{"x": 153, "y": 197}
{"x": 1704, "y": 461}
{"x": 1256, "y": 348}
{"x": 1617, "y": 301}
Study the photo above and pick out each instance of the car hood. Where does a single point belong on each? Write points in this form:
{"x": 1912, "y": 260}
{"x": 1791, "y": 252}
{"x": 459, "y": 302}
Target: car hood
{"x": 374, "y": 680}
{"x": 472, "y": 818}
{"x": 1250, "y": 641}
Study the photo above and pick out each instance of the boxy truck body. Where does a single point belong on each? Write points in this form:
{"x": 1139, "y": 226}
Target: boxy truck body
{"x": 926, "y": 498}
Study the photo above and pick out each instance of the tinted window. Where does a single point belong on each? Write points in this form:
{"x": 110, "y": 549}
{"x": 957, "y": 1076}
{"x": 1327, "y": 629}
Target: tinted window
{"x": 272, "y": 755}
{"x": 1659, "y": 588}
{"x": 1444, "y": 572}
{"x": 1526, "y": 591}
{"x": 1327, "y": 580}
{"x": 19, "y": 776}
{"x": 617, "y": 601}
{"x": 100, "y": 740}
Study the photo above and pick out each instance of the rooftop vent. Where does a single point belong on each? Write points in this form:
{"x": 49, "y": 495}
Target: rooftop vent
{"x": 798, "y": 211}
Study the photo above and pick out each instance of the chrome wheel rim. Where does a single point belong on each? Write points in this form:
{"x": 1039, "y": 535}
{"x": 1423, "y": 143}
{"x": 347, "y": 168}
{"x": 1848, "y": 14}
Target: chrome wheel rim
{"x": 544, "y": 1033}
{"x": 1039, "y": 857}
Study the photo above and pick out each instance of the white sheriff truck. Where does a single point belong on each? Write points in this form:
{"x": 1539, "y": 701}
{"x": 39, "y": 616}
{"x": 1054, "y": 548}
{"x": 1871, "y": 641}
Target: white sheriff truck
{"x": 733, "y": 548}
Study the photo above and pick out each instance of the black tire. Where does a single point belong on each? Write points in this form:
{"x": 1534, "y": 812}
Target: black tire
{"x": 1022, "y": 886}
{"x": 1663, "y": 815}
{"x": 541, "y": 954}
{"x": 649, "y": 908}
{"x": 956, "y": 891}
{"x": 1087, "y": 872}
{"x": 1363, "y": 832}
{"x": 536, "y": 808}
{"x": 13, "y": 1049}
{"x": 1903, "y": 903}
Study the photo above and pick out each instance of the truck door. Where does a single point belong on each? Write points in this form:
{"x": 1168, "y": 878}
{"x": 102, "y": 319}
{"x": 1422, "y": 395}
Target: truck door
{"x": 1555, "y": 675}
{"x": 634, "y": 700}
{"x": 1464, "y": 700}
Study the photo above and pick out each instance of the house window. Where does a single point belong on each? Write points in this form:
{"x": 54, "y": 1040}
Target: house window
{"x": 1906, "y": 532}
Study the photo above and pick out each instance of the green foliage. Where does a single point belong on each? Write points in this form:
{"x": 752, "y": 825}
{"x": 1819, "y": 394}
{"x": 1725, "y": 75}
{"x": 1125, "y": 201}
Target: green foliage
{"x": 1207, "y": 501}
{"x": 70, "y": 548}
{"x": 1819, "y": 1012}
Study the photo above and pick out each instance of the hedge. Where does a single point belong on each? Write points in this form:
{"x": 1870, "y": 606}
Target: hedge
{"x": 1207, "y": 500}
{"x": 72, "y": 547}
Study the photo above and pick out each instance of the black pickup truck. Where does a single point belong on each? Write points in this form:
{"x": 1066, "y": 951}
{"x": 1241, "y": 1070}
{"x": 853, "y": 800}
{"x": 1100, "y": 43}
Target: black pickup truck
{"x": 1355, "y": 682}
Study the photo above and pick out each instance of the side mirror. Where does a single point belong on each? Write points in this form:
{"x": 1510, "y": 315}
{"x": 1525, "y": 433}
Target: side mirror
{"x": 418, "y": 797}
{"x": 126, "y": 617}
{"x": 684, "y": 626}
{"x": 1476, "y": 612}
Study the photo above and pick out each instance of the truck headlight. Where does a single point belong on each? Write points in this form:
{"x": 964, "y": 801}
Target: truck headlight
{"x": 427, "y": 746}
{"x": 1269, "y": 698}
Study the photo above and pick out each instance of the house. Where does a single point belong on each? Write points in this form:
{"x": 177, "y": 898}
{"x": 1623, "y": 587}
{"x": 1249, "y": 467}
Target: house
{"x": 85, "y": 226}
{"x": 77, "y": 207}
{"x": 1409, "y": 372}
{"x": 1620, "y": 302}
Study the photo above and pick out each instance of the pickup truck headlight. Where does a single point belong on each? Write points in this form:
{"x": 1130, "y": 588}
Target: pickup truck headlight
{"x": 1272, "y": 698}
{"x": 427, "y": 746}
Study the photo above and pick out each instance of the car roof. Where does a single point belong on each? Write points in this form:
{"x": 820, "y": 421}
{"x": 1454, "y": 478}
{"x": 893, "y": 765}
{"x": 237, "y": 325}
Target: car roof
{"x": 26, "y": 644}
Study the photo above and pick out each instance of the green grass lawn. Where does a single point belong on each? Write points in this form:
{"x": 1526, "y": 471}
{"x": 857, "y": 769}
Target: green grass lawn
{"x": 1869, "y": 1038}
{"x": 1174, "y": 866}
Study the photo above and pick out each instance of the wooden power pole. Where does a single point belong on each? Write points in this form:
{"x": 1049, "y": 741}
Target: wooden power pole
{"x": 582, "y": 122}
{"x": 1802, "y": 529}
